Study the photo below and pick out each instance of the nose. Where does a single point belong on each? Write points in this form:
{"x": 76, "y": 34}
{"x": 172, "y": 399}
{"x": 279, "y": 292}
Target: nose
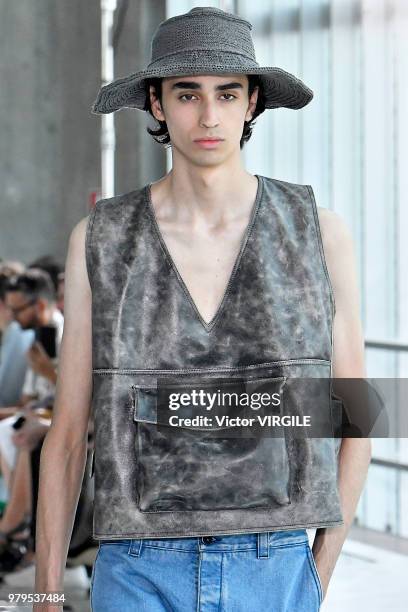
{"x": 209, "y": 117}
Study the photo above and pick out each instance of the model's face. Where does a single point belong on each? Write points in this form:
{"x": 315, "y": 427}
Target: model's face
{"x": 196, "y": 107}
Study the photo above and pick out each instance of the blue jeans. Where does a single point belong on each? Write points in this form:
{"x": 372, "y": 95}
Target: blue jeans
{"x": 272, "y": 571}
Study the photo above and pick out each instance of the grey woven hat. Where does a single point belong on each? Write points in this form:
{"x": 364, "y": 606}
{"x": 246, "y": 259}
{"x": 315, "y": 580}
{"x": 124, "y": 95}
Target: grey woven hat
{"x": 205, "y": 40}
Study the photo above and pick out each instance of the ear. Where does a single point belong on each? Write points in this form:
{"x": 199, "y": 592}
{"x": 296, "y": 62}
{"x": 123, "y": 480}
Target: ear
{"x": 252, "y": 104}
{"x": 155, "y": 105}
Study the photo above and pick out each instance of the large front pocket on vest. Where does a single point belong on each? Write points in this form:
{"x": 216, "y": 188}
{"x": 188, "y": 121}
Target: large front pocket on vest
{"x": 187, "y": 468}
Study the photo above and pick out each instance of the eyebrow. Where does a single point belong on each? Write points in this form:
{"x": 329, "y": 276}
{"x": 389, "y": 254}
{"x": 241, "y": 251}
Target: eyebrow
{"x": 195, "y": 85}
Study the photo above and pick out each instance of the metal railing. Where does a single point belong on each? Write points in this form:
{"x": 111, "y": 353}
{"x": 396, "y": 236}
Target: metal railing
{"x": 383, "y": 539}
{"x": 387, "y": 345}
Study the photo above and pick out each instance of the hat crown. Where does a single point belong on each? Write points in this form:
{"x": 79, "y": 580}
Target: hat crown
{"x": 206, "y": 40}
{"x": 203, "y": 28}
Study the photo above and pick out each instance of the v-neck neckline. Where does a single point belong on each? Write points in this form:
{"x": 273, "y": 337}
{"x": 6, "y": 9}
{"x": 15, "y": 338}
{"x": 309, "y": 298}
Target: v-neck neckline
{"x": 208, "y": 326}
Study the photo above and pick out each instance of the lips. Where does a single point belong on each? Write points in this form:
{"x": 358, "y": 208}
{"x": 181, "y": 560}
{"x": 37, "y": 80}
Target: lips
{"x": 208, "y": 144}
{"x": 208, "y": 140}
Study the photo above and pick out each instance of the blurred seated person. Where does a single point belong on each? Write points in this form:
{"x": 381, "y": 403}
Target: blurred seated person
{"x": 31, "y": 298}
{"x": 14, "y": 342}
{"x": 17, "y": 524}
{"x": 51, "y": 265}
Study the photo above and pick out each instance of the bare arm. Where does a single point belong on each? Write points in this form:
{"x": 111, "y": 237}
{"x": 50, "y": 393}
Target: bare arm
{"x": 348, "y": 362}
{"x": 63, "y": 455}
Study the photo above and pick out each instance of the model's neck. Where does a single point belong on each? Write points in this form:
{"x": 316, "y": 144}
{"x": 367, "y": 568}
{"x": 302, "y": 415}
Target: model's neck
{"x": 212, "y": 189}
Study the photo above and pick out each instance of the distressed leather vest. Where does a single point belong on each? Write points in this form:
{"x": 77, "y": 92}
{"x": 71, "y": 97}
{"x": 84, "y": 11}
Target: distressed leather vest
{"x": 274, "y": 324}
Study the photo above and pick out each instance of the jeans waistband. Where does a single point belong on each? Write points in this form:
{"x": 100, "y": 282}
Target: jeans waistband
{"x": 262, "y": 542}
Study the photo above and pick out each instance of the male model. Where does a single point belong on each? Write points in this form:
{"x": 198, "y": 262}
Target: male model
{"x": 209, "y": 278}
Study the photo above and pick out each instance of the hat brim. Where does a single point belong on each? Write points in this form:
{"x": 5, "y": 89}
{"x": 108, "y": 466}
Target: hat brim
{"x": 281, "y": 88}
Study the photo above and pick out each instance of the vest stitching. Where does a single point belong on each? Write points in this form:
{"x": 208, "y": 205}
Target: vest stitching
{"x": 224, "y": 531}
{"x": 332, "y": 298}
{"x": 88, "y": 249}
{"x": 102, "y": 371}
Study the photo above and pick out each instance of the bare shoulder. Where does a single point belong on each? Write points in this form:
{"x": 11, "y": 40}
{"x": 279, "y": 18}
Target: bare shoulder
{"x": 77, "y": 286}
{"x": 340, "y": 256}
{"x": 76, "y": 257}
{"x": 78, "y": 233}
{"x": 338, "y": 243}
{"x": 335, "y": 231}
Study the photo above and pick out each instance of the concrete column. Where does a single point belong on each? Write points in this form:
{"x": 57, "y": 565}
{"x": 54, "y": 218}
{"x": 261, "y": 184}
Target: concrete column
{"x": 49, "y": 145}
{"x": 50, "y": 142}
{"x": 139, "y": 159}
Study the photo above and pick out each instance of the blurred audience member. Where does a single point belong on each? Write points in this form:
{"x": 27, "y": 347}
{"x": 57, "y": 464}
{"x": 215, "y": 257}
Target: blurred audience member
{"x": 14, "y": 342}
{"x": 32, "y": 302}
{"x": 49, "y": 264}
{"x": 31, "y": 298}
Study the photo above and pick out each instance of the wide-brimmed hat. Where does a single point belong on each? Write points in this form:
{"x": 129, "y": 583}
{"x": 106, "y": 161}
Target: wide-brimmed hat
{"x": 205, "y": 40}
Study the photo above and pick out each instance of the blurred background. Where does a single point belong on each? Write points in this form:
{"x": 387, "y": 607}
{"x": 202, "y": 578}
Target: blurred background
{"x": 350, "y": 143}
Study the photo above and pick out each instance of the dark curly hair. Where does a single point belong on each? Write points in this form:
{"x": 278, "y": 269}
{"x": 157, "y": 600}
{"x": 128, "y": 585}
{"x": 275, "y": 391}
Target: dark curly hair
{"x": 33, "y": 283}
{"x": 162, "y": 136}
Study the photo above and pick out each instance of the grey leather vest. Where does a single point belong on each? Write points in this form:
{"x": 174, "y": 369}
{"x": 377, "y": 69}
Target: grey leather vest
{"x": 275, "y": 323}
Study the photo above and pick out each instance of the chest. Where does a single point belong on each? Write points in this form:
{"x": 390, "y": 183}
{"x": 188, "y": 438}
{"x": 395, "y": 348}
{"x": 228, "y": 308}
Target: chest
{"x": 205, "y": 260}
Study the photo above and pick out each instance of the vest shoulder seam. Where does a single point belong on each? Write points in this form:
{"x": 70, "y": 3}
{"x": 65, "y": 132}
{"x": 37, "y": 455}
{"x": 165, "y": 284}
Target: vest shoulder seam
{"x": 282, "y": 182}
{"x": 320, "y": 245}
{"x": 88, "y": 243}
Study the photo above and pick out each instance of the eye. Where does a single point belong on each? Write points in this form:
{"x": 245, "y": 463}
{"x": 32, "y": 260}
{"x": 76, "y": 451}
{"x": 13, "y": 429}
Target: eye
{"x": 225, "y": 94}
{"x": 184, "y": 95}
